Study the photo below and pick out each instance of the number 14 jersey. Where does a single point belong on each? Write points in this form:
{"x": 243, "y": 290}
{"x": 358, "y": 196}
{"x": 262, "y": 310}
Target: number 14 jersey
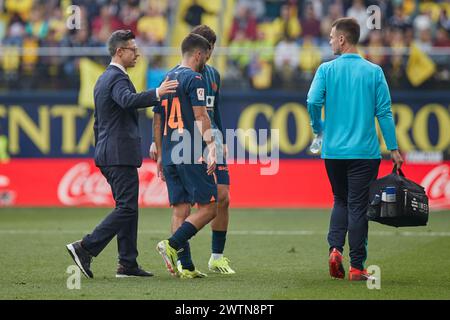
{"x": 178, "y": 128}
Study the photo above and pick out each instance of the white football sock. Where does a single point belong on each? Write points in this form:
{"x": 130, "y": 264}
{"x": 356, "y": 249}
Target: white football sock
{"x": 216, "y": 256}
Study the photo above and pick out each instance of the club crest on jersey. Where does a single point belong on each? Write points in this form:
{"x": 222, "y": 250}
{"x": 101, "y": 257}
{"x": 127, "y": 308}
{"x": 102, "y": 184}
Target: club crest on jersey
{"x": 201, "y": 94}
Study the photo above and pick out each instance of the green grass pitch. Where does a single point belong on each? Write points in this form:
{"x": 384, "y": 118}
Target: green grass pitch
{"x": 278, "y": 254}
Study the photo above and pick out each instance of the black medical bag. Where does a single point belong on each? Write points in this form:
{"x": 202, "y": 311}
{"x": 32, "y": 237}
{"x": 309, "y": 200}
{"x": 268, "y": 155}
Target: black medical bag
{"x": 397, "y": 201}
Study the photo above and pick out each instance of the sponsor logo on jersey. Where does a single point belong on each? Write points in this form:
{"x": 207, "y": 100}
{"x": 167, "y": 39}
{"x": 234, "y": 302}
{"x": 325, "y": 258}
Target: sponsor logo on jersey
{"x": 210, "y": 101}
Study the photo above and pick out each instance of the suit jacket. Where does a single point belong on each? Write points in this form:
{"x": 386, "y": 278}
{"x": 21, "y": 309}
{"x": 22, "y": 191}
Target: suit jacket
{"x": 116, "y": 127}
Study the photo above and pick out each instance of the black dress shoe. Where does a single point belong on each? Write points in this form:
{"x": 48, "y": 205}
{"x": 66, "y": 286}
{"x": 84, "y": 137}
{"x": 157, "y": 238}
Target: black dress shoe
{"x": 124, "y": 272}
{"x": 81, "y": 257}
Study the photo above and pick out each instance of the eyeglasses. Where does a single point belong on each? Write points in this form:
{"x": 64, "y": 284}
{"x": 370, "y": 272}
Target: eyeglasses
{"x": 135, "y": 50}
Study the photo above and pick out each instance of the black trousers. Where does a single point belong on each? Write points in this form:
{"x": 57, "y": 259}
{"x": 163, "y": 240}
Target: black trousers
{"x": 350, "y": 180}
{"x": 123, "y": 220}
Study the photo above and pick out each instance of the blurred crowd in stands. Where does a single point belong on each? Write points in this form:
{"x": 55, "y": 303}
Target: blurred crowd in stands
{"x": 32, "y": 24}
{"x": 270, "y": 42}
{"x": 298, "y": 29}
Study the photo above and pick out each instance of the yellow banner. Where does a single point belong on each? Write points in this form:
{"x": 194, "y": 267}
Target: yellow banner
{"x": 90, "y": 71}
{"x": 420, "y": 67}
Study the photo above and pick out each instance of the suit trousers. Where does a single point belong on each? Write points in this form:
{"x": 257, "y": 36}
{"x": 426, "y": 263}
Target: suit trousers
{"x": 350, "y": 180}
{"x": 123, "y": 220}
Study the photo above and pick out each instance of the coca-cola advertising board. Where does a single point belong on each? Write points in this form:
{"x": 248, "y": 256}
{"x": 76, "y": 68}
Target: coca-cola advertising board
{"x": 297, "y": 184}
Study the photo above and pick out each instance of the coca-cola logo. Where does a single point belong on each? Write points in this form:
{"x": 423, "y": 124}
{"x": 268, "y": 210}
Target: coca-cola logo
{"x": 152, "y": 190}
{"x": 437, "y": 186}
{"x": 84, "y": 184}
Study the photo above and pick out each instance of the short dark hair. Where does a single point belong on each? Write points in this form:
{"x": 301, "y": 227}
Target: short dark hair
{"x": 194, "y": 41}
{"x": 206, "y": 32}
{"x": 350, "y": 28}
{"x": 118, "y": 39}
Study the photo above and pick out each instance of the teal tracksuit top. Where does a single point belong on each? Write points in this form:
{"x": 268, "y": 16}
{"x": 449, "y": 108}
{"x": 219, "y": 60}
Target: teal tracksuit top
{"x": 354, "y": 92}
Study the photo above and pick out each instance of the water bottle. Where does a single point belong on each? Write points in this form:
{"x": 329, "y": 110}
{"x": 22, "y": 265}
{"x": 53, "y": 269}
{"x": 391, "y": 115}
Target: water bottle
{"x": 390, "y": 194}
{"x": 376, "y": 200}
{"x": 389, "y": 204}
{"x": 316, "y": 144}
{"x": 374, "y": 209}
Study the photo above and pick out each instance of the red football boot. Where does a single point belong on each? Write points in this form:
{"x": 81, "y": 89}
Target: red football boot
{"x": 359, "y": 275}
{"x": 335, "y": 263}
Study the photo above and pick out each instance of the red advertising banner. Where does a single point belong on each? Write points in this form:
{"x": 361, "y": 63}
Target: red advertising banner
{"x": 297, "y": 184}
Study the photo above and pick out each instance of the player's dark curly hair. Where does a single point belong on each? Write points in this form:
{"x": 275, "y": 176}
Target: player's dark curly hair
{"x": 205, "y": 32}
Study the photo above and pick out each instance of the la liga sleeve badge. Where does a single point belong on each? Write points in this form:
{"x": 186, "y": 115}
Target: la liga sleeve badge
{"x": 201, "y": 94}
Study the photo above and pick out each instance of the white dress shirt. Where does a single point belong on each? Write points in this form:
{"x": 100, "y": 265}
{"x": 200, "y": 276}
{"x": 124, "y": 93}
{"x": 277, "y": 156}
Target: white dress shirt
{"x": 119, "y": 66}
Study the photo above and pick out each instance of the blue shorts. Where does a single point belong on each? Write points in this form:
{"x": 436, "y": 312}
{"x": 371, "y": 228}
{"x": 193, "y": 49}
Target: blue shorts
{"x": 222, "y": 174}
{"x": 189, "y": 183}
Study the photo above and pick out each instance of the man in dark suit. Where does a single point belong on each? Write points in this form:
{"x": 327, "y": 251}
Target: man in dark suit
{"x": 118, "y": 155}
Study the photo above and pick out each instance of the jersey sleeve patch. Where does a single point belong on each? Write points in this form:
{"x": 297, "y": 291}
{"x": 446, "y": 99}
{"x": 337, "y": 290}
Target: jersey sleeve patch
{"x": 201, "y": 94}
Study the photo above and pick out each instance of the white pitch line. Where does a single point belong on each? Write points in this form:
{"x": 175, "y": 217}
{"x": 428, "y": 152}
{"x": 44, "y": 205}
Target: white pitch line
{"x": 239, "y": 232}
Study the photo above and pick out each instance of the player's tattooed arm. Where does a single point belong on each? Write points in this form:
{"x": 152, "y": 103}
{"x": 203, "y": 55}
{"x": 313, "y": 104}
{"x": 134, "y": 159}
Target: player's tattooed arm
{"x": 158, "y": 142}
{"x": 153, "y": 151}
{"x": 201, "y": 115}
